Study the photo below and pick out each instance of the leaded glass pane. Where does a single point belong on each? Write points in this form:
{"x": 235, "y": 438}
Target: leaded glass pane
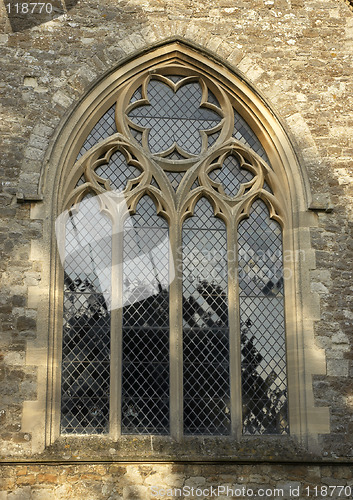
{"x": 205, "y": 324}
{"x": 117, "y": 171}
{"x": 231, "y": 176}
{"x": 174, "y": 117}
{"x": 175, "y": 178}
{"x": 244, "y": 133}
{"x": 104, "y": 128}
{"x": 261, "y": 301}
{"x": 86, "y": 329}
{"x": 212, "y": 99}
{"x": 145, "y": 374}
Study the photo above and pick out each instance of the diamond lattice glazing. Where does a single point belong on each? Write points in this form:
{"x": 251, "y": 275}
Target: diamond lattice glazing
{"x": 205, "y": 324}
{"x": 231, "y": 176}
{"x": 145, "y": 377}
{"x": 244, "y": 133}
{"x": 174, "y": 117}
{"x": 86, "y": 329}
{"x": 264, "y": 386}
{"x": 104, "y": 128}
{"x": 118, "y": 171}
{"x": 175, "y": 178}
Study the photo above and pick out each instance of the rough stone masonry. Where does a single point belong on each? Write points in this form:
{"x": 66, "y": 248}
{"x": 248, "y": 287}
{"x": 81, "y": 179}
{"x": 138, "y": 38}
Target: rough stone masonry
{"x": 299, "y": 55}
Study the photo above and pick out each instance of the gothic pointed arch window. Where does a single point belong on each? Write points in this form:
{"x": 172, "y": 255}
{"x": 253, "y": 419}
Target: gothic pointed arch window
{"x": 177, "y": 301}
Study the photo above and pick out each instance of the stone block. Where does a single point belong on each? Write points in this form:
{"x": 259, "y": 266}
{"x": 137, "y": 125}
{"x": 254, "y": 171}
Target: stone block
{"x": 338, "y": 367}
{"x": 62, "y": 99}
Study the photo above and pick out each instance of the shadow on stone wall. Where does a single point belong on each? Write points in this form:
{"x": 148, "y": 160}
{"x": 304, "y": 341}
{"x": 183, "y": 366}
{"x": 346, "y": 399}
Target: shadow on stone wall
{"x": 117, "y": 481}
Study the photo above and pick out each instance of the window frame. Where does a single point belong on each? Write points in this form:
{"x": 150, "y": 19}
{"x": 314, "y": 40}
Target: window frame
{"x": 305, "y": 420}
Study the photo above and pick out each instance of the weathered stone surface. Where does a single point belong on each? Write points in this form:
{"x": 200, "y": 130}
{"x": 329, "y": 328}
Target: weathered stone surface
{"x": 94, "y": 481}
{"x": 298, "y": 55}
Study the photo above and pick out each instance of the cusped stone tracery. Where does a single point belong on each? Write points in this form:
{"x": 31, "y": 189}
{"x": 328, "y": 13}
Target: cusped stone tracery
{"x": 227, "y": 176}
{"x": 181, "y": 153}
{"x": 173, "y": 115}
{"x": 179, "y": 136}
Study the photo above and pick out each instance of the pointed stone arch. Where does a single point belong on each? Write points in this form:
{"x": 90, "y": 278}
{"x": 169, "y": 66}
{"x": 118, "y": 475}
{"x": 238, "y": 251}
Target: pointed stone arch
{"x": 301, "y": 307}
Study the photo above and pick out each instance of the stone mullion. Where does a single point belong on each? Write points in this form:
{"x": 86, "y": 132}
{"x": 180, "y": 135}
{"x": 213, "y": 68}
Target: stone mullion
{"x": 176, "y": 330}
{"x": 116, "y": 327}
{"x": 234, "y": 329}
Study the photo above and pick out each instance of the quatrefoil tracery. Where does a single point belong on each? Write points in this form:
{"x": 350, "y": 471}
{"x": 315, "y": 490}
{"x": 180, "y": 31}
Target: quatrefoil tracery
{"x": 170, "y": 115}
{"x": 95, "y": 169}
{"x": 228, "y": 173}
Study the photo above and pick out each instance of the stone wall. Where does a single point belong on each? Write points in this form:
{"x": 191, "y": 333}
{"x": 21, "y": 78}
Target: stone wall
{"x": 298, "y": 54}
{"x": 137, "y": 482}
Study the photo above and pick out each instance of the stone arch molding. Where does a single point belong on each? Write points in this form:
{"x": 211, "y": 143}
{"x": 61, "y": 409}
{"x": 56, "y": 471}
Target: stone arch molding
{"x": 32, "y": 186}
{"x": 290, "y": 207}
